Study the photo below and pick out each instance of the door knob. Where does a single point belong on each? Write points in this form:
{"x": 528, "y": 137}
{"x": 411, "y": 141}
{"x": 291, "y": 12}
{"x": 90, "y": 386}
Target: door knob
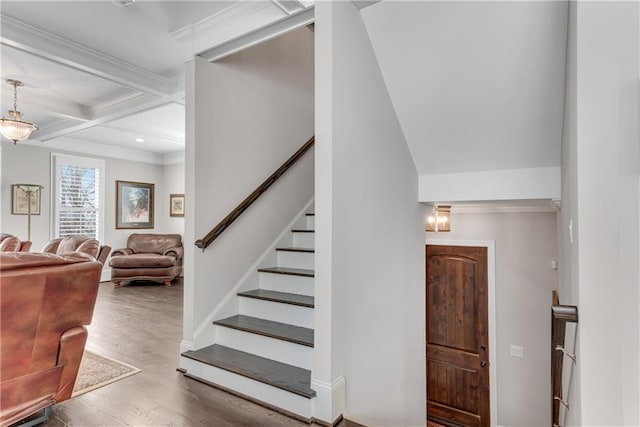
{"x": 483, "y": 364}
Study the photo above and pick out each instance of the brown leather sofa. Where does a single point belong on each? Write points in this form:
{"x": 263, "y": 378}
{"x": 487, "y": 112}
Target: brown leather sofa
{"x": 10, "y": 243}
{"x": 154, "y": 257}
{"x": 87, "y": 245}
{"x": 45, "y": 301}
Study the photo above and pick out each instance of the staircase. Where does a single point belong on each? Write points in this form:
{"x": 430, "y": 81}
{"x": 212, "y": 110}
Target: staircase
{"x": 265, "y": 352}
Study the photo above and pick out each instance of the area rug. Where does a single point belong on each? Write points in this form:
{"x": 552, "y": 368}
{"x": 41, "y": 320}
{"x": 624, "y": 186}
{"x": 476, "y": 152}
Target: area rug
{"x": 97, "y": 371}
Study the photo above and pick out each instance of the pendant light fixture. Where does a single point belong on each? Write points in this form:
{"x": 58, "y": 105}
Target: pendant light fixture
{"x": 13, "y": 127}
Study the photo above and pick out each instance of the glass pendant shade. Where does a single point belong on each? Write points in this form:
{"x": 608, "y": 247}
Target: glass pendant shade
{"x": 15, "y": 128}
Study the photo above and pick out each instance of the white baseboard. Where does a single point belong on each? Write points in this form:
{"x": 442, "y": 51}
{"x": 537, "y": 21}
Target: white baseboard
{"x": 185, "y": 346}
{"x": 105, "y": 276}
{"x": 330, "y": 399}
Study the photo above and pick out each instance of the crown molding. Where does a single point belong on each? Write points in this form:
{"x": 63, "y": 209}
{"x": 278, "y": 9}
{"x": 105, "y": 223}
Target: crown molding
{"x": 79, "y": 146}
{"x": 174, "y": 158}
{"x": 30, "y": 39}
{"x": 232, "y": 22}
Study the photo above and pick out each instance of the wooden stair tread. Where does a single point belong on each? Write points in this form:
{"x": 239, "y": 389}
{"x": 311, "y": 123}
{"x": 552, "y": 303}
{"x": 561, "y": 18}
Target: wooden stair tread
{"x": 282, "y": 297}
{"x": 268, "y": 328}
{"x": 296, "y": 249}
{"x": 290, "y": 271}
{"x": 277, "y": 374}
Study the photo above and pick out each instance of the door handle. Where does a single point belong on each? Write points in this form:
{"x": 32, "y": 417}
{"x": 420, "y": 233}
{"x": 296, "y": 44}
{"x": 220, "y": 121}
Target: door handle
{"x": 483, "y": 364}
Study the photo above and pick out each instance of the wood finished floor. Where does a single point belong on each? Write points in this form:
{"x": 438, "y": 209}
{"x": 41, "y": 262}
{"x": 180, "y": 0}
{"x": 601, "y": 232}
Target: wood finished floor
{"x": 141, "y": 325}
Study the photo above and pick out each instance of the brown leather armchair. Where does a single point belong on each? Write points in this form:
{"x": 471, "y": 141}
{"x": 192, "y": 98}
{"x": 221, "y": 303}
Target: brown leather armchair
{"x": 155, "y": 257}
{"x": 45, "y": 301}
{"x": 10, "y": 243}
{"x": 87, "y": 245}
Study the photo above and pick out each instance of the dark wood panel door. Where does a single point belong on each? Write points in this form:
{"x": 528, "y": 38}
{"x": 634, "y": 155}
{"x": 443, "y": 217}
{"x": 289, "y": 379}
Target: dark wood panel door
{"x": 457, "y": 336}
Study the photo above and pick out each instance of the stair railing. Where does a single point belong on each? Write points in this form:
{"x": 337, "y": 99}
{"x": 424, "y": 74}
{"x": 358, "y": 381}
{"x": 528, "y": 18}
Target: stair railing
{"x": 560, "y": 316}
{"x": 244, "y": 205}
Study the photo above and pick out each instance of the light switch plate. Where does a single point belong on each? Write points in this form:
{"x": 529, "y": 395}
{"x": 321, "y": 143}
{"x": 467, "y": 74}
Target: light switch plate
{"x": 517, "y": 351}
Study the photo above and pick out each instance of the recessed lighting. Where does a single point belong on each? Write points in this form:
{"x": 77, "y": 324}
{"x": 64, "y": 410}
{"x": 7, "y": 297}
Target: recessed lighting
{"x": 139, "y": 140}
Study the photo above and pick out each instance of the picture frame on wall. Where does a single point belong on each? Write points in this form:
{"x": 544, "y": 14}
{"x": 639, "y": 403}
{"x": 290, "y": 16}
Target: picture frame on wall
{"x": 176, "y": 205}
{"x": 134, "y": 204}
{"x": 20, "y": 194}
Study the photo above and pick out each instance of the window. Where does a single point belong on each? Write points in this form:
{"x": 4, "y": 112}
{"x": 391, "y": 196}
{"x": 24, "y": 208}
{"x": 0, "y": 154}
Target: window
{"x": 78, "y": 196}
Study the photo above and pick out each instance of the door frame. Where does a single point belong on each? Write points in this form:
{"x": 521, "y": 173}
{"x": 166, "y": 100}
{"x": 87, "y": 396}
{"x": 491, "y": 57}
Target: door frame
{"x": 491, "y": 290}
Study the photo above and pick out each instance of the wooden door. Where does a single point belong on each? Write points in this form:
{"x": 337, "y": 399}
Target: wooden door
{"x": 457, "y": 336}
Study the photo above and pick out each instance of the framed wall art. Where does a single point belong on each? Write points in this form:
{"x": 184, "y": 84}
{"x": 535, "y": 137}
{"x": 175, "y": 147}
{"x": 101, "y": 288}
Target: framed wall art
{"x": 134, "y": 204}
{"x": 21, "y": 194}
{"x": 176, "y": 205}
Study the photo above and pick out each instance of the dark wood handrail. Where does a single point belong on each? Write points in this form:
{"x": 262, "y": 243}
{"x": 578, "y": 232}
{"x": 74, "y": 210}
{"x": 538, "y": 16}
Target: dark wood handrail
{"x": 244, "y": 205}
{"x": 560, "y": 315}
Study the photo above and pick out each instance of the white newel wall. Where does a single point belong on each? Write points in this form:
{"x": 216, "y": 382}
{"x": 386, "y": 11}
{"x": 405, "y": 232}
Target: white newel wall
{"x": 246, "y": 115}
{"x": 369, "y": 234}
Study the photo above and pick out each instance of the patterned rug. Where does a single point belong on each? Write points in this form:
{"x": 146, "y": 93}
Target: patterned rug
{"x": 97, "y": 371}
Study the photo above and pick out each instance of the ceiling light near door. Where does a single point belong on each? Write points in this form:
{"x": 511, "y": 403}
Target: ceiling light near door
{"x": 440, "y": 219}
{"x": 13, "y": 127}
{"x": 123, "y": 3}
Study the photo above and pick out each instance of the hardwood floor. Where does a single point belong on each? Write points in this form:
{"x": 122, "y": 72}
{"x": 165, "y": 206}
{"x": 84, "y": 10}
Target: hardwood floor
{"x": 141, "y": 325}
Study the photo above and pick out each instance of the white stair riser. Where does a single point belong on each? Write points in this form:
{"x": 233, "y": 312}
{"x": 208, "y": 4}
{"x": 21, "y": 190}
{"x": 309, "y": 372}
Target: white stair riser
{"x": 311, "y": 222}
{"x": 302, "y": 285}
{"x": 270, "y": 348}
{"x": 274, "y": 396}
{"x": 304, "y": 240}
{"x": 277, "y": 312}
{"x": 296, "y": 259}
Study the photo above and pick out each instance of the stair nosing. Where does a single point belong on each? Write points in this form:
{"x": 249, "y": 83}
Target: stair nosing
{"x": 288, "y": 271}
{"x": 296, "y": 249}
{"x": 264, "y": 333}
{"x": 192, "y": 355}
{"x": 247, "y": 294}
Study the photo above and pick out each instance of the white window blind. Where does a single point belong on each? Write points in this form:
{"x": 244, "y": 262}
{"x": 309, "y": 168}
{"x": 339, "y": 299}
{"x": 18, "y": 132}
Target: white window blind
{"x": 79, "y": 190}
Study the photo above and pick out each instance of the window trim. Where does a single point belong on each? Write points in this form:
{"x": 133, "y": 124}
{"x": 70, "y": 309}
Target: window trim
{"x": 100, "y": 164}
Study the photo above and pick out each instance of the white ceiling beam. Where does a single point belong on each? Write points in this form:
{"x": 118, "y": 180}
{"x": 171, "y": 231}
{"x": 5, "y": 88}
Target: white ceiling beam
{"x": 263, "y": 34}
{"x": 127, "y": 108}
{"x": 290, "y": 7}
{"x": 27, "y": 38}
{"x": 57, "y": 107}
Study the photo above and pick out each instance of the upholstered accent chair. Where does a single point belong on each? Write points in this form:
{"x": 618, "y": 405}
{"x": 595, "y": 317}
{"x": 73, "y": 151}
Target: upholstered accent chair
{"x": 46, "y": 302}
{"x": 10, "y": 243}
{"x": 87, "y": 245}
{"x": 154, "y": 257}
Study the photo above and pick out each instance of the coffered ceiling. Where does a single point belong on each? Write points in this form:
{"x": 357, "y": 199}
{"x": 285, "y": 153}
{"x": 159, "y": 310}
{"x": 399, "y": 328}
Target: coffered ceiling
{"x": 104, "y": 79}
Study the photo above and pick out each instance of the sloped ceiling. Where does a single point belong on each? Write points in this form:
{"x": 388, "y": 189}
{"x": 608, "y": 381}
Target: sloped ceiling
{"x": 476, "y": 86}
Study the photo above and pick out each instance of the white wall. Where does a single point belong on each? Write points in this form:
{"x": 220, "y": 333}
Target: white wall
{"x": 369, "y": 233}
{"x": 29, "y": 164}
{"x": 568, "y": 216}
{"x": 174, "y": 183}
{"x": 607, "y": 164}
{"x": 525, "y": 246}
{"x": 246, "y": 115}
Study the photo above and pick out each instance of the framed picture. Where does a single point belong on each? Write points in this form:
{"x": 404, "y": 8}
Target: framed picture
{"x": 176, "y": 204}
{"x": 134, "y": 204}
{"x": 21, "y": 194}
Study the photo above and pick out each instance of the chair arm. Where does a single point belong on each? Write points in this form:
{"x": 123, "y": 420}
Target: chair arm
{"x": 122, "y": 251}
{"x": 72, "y": 344}
{"x": 177, "y": 252}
